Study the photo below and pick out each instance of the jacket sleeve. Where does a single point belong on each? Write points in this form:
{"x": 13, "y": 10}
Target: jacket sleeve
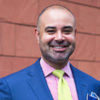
{"x": 4, "y": 90}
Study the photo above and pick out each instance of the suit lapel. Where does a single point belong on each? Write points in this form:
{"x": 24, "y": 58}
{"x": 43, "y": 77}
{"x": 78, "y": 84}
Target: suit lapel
{"x": 38, "y": 83}
{"x": 81, "y": 86}
{"x": 40, "y": 88}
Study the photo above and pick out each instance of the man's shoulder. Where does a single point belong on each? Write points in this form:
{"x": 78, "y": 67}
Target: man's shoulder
{"x": 84, "y": 76}
{"x": 22, "y": 74}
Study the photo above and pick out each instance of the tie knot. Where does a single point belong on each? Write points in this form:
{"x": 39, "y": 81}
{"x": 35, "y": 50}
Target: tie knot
{"x": 58, "y": 73}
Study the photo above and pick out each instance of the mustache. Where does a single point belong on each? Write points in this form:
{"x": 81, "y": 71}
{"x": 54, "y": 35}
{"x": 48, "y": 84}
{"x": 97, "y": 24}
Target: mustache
{"x": 62, "y": 43}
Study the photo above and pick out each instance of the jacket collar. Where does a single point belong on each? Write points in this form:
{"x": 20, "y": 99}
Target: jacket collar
{"x": 38, "y": 83}
{"x": 40, "y": 88}
{"x": 81, "y": 83}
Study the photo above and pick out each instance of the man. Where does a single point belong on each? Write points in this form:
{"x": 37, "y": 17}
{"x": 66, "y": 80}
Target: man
{"x": 55, "y": 33}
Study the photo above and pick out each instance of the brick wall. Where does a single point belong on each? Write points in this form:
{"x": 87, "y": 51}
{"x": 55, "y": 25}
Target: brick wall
{"x": 18, "y": 45}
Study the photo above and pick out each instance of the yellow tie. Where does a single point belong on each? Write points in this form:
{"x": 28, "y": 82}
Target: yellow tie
{"x": 63, "y": 88}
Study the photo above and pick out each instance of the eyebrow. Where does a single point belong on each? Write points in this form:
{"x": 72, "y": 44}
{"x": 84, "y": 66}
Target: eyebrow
{"x": 50, "y": 27}
{"x": 53, "y": 27}
{"x": 68, "y": 27}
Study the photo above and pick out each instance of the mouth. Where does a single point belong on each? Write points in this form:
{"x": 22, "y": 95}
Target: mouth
{"x": 59, "y": 48}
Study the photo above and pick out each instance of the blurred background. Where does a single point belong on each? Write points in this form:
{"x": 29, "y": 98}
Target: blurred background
{"x": 18, "y": 45}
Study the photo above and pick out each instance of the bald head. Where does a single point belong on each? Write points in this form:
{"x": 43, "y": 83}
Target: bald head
{"x": 56, "y": 35}
{"x": 54, "y": 11}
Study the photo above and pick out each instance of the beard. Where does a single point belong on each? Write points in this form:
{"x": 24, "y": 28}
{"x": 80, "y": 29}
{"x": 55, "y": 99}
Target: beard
{"x": 56, "y": 57}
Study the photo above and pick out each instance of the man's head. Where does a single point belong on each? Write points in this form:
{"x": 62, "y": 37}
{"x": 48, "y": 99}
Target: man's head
{"x": 56, "y": 35}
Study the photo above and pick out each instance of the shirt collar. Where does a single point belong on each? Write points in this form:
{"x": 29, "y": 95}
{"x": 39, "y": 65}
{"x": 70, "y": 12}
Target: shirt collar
{"x": 47, "y": 69}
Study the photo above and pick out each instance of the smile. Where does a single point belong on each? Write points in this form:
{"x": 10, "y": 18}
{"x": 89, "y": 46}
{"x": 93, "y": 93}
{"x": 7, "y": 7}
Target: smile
{"x": 59, "y": 48}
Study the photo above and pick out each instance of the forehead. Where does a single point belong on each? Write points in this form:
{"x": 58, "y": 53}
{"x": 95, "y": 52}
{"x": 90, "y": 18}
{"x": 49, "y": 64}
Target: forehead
{"x": 57, "y": 17}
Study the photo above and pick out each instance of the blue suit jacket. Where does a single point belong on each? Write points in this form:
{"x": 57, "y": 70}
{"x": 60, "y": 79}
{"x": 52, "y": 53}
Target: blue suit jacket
{"x": 30, "y": 84}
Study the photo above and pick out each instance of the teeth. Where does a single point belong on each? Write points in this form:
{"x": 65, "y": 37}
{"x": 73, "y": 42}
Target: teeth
{"x": 58, "y": 47}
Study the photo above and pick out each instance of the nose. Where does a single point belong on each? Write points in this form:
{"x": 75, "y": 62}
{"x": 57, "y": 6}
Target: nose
{"x": 59, "y": 36}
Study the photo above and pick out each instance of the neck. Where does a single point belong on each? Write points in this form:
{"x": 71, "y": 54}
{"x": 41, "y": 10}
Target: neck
{"x": 56, "y": 65}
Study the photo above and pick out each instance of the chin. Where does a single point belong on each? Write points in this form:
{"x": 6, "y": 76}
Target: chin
{"x": 58, "y": 60}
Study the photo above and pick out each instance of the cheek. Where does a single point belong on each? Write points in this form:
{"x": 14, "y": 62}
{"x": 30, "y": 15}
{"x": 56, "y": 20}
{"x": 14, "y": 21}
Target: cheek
{"x": 70, "y": 38}
{"x": 47, "y": 38}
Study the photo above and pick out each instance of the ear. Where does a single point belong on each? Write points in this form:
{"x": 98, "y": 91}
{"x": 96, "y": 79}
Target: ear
{"x": 75, "y": 31}
{"x": 37, "y": 34}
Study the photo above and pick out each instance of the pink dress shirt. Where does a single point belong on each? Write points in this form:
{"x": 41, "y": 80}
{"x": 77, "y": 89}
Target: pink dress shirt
{"x": 52, "y": 80}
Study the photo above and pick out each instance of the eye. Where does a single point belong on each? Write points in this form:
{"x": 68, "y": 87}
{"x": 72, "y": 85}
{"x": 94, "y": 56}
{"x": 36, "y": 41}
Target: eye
{"x": 50, "y": 30}
{"x": 67, "y": 30}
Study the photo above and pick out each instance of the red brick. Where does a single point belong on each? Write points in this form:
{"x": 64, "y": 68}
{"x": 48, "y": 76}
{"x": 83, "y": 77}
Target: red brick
{"x": 97, "y": 48}
{"x": 88, "y": 20}
{"x": 19, "y": 11}
{"x": 1, "y": 50}
{"x": 10, "y": 65}
{"x": 95, "y": 3}
{"x": 7, "y": 39}
{"x": 91, "y": 68}
{"x": 74, "y": 63}
{"x": 26, "y": 44}
{"x": 85, "y": 47}
{"x": 20, "y": 63}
